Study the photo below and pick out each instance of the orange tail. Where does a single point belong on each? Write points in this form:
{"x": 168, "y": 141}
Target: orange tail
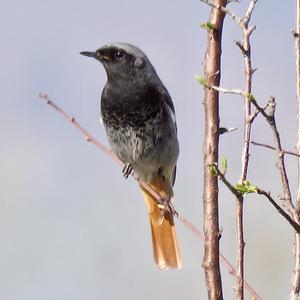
{"x": 165, "y": 246}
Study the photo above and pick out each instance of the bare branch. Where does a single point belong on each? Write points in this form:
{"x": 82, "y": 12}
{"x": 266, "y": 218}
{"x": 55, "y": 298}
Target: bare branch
{"x": 226, "y": 91}
{"x": 273, "y": 148}
{"x": 245, "y": 47}
{"x": 262, "y": 110}
{"x": 270, "y": 118}
{"x": 248, "y": 15}
{"x": 222, "y": 177}
{"x": 294, "y": 224}
{"x": 253, "y": 116}
{"x": 295, "y": 291}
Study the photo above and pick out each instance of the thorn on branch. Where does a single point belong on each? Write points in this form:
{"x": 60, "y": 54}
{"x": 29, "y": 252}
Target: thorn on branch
{"x": 251, "y": 29}
{"x": 243, "y": 50}
{"x": 253, "y": 70}
{"x": 223, "y": 130}
{"x": 295, "y": 34}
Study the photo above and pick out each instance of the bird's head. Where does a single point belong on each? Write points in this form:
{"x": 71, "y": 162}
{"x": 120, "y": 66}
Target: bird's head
{"x": 125, "y": 64}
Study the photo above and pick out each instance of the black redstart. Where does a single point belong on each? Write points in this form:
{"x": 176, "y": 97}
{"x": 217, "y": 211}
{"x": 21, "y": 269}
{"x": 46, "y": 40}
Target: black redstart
{"x": 139, "y": 119}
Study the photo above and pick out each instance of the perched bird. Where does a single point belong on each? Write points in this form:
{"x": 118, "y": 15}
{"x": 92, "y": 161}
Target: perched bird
{"x": 139, "y": 119}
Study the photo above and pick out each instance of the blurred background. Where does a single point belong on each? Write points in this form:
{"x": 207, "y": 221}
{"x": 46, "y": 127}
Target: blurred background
{"x": 71, "y": 227}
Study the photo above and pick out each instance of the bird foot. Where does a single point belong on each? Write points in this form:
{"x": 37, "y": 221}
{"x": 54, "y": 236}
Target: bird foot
{"x": 166, "y": 205}
{"x": 127, "y": 170}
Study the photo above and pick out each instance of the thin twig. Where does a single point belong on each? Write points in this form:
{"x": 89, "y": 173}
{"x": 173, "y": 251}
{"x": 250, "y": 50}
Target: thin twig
{"x": 269, "y": 114}
{"x": 222, "y": 177}
{"x": 181, "y": 218}
{"x": 226, "y": 91}
{"x": 294, "y": 224}
{"x": 273, "y": 148}
{"x": 245, "y": 47}
{"x": 270, "y": 118}
{"x": 295, "y": 290}
{"x": 262, "y": 110}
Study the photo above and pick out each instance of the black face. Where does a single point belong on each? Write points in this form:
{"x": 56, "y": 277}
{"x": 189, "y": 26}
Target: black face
{"x": 109, "y": 54}
{"x": 121, "y": 65}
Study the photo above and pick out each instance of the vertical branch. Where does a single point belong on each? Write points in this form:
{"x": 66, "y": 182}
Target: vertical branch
{"x": 297, "y": 50}
{"x": 246, "y": 50}
{"x": 212, "y": 71}
{"x": 295, "y": 292}
{"x": 240, "y": 249}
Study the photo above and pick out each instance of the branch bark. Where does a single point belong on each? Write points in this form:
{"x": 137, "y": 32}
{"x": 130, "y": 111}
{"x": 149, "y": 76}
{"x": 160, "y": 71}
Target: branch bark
{"x": 212, "y": 71}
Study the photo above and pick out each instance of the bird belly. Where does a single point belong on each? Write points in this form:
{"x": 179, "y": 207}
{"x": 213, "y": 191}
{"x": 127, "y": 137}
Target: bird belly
{"x": 148, "y": 153}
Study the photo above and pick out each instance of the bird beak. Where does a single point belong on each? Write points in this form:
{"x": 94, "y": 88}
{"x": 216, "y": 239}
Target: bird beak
{"x": 99, "y": 56}
{"x": 89, "y": 54}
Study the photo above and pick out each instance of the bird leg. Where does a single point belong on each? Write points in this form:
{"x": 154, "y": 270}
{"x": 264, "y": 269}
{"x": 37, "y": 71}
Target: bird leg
{"x": 127, "y": 170}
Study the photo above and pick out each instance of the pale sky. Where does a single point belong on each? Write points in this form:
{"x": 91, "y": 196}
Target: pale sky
{"x": 71, "y": 226}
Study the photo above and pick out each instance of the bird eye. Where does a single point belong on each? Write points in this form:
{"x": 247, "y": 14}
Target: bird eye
{"x": 120, "y": 54}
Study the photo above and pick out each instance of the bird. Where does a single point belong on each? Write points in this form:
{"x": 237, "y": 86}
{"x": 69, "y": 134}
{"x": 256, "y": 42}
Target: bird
{"x": 140, "y": 124}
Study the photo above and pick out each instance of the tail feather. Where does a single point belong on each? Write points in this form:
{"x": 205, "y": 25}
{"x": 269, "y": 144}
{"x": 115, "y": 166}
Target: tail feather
{"x": 165, "y": 245}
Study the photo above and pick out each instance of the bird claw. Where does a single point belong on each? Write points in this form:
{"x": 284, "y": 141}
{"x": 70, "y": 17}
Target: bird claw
{"x": 127, "y": 170}
{"x": 166, "y": 205}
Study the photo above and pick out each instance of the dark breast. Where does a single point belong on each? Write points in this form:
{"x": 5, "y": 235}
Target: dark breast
{"x": 134, "y": 109}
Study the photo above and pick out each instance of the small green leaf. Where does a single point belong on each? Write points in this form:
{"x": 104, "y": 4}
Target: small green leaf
{"x": 252, "y": 188}
{"x": 249, "y": 96}
{"x": 201, "y": 80}
{"x": 241, "y": 188}
{"x": 207, "y": 26}
{"x": 246, "y": 188}
{"x": 213, "y": 170}
{"x": 224, "y": 164}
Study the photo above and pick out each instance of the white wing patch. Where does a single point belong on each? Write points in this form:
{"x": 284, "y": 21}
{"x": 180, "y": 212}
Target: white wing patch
{"x": 172, "y": 115}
